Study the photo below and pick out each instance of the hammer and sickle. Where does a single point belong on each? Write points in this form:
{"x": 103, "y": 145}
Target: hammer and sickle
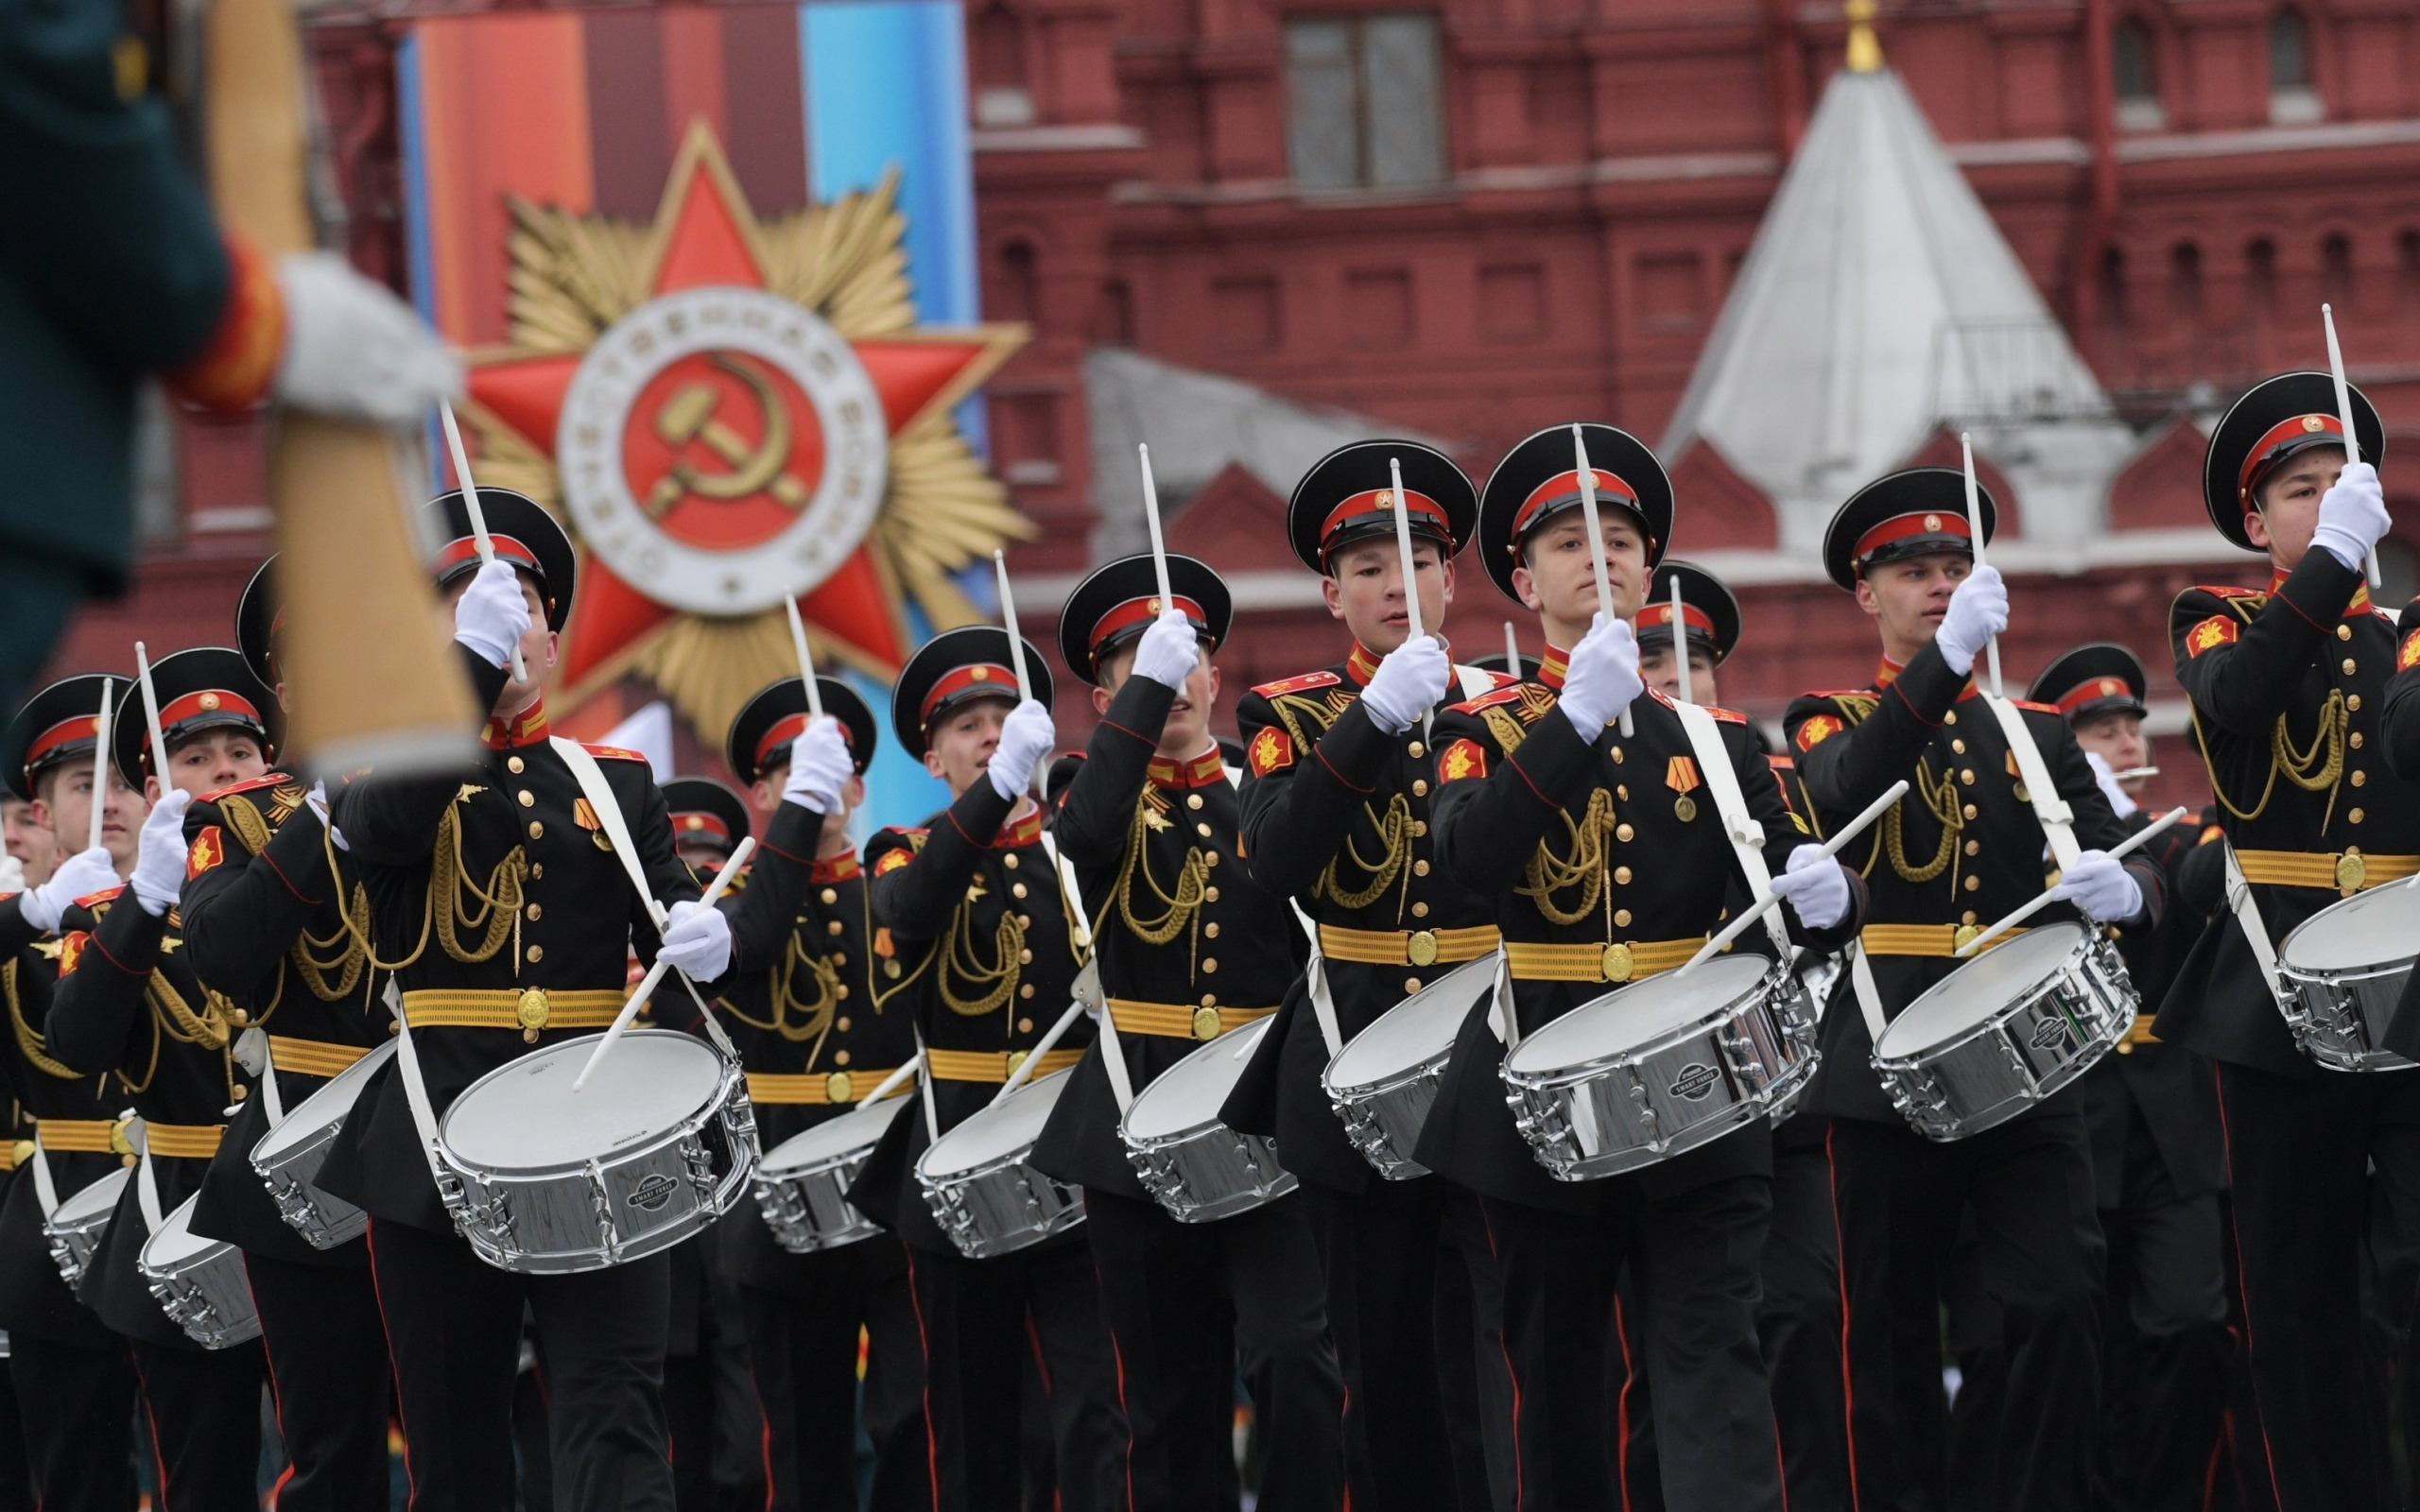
{"x": 690, "y": 415}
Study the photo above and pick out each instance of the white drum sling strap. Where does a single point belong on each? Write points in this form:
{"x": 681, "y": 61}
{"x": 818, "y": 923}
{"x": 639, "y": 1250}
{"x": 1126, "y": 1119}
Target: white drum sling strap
{"x": 2058, "y": 820}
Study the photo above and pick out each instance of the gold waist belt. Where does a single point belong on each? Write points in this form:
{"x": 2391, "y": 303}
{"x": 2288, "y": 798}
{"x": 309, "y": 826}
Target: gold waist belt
{"x": 2347, "y": 874}
{"x": 312, "y": 1057}
{"x": 528, "y": 1009}
{"x": 1621, "y": 961}
{"x": 1175, "y": 1021}
{"x": 815, "y": 1087}
{"x": 993, "y": 1066}
{"x": 85, "y": 1136}
{"x": 1927, "y": 939}
{"x": 1395, "y": 947}
{"x": 184, "y": 1142}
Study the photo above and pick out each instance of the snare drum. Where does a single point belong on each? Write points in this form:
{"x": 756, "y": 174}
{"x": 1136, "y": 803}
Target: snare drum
{"x": 199, "y": 1281}
{"x": 803, "y": 1184}
{"x": 290, "y": 1156}
{"x": 1383, "y": 1083}
{"x": 2005, "y": 1030}
{"x": 544, "y": 1180}
{"x": 982, "y": 1193}
{"x": 2344, "y": 970}
{"x": 1661, "y": 1067}
{"x": 76, "y": 1227}
{"x": 1199, "y": 1168}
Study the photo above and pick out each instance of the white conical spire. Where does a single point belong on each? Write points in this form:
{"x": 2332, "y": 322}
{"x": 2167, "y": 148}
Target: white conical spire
{"x": 1878, "y": 303}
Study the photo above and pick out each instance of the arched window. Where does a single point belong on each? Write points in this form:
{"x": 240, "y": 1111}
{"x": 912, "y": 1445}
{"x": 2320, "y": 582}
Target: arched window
{"x": 997, "y": 64}
{"x": 2336, "y": 267}
{"x": 2135, "y": 79}
{"x": 2261, "y": 275}
{"x": 2185, "y": 280}
{"x": 2292, "y": 95}
{"x": 1019, "y": 285}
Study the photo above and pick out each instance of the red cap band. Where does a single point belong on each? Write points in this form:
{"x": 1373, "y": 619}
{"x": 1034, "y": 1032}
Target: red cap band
{"x": 987, "y": 676}
{"x": 2092, "y": 690}
{"x": 1419, "y": 506}
{"x": 697, "y": 821}
{"x": 1563, "y": 489}
{"x": 2255, "y": 461}
{"x": 1692, "y": 617}
{"x": 1921, "y": 522}
{"x": 785, "y": 730}
{"x": 83, "y": 726}
{"x": 466, "y": 548}
{"x": 1136, "y": 611}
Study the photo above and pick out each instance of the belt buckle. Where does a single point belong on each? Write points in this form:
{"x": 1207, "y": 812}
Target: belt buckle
{"x": 1421, "y": 949}
{"x": 531, "y": 1010}
{"x": 121, "y": 1142}
{"x": 1964, "y": 935}
{"x": 838, "y": 1088}
{"x": 1016, "y": 1058}
{"x": 1618, "y": 963}
{"x": 1205, "y": 1023}
{"x": 2352, "y": 873}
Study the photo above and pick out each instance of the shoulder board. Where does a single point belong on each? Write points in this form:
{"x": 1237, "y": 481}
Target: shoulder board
{"x": 2032, "y": 708}
{"x": 2218, "y": 590}
{"x": 1728, "y": 716}
{"x": 1781, "y": 763}
{"x": 1504, "y": 679}
{"x": 1839, "y": 692}
{"x": 264, "y": 782}
{"x": 95, "y": 898}
{"x": 1510, "y": 693}
{"x": 1301, "y": 685}
{"x": 611, "y": 752}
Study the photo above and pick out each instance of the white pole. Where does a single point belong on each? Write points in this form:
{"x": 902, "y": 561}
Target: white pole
{"x": 1152, "y": 518}
{"x": 1681, "y": 645}
{"x": 2345, "y": 412}
{"x": 1595, "y": 538}
{"x": 806, "y": 659}
{"x": 655, "y": 973}
{"x": 471, "y": 507}
{"x": 1511, "y": 651}
{"x": 1975, "y": 528}
{"x": 151, "y": 717}
{"x": 1403, "y": 550}
{"x": 1008, "y": 620}
{"x": 101, "y": 763}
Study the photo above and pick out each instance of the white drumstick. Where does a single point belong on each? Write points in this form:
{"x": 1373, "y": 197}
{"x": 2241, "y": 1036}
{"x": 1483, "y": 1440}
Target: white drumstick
{"x": 1151, "y": 519}
{"x": 1681, "y": 645}
{"x": 655, "y": 973}
{"x": 2345, "y": 413}
{"x": 805, "y": 659}
{"x": 151, "y": 717}
{"x": 478, "y": 517}
{"x": 2131, "y": 773}
{"x": 1511, "y": 651}
{"x": 1403, "y": 550}
{"x": 1009, "y": 619}
{"x": 1772, "y": 900}
{"x": 1975, "y": 528}
{"x": 101, "y": 762}
{"x": 2134, "y": 843}
{"x": 1043, "y": 1046}
{"x": 1596, "y": 539}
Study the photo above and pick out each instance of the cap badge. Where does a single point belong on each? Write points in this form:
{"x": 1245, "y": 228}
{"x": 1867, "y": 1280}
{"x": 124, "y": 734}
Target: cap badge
{"x": 980, "y": 674}
{"x": 2313, "y": 423}
{"x": 209, "y": 700}
{"x": 1932, "y": 521}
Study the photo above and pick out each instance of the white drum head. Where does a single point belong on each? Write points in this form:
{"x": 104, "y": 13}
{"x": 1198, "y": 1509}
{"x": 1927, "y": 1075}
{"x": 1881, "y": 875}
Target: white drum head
{"x": 1414, "y": 1029}
{"x": 1979, "y": 988}
{"x": 174, "y": 1241}
{"x": 1001, "y": 1130}
{"x": 860, "y": 1129}
{"x": 1189, "y": 1093}
{"x": 525, "y": 1116}
{"x": 95, "y": 1201}
{"x": 1638, "y": 1014}
{"x": 311, "y": 1117}
{"x": 2366, "y": 930}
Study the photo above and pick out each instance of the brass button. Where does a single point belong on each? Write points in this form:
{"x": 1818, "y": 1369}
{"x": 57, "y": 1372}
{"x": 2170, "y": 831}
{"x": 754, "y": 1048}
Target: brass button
{"x": 1024, "y": 958}
{"x": 832, "y": 926}
{"x": 1209, "y": 1000}
{"x": 1959, "y": 747}
{"x": 1209, "y": 858}
{"x": 840, "y": 958}
{"x": 842, "y": 1023}
{"x": 840, "y": 990}
{"x": 1621, "y": 874}
{"x": 241, "y": 1092}
{"x": 1617, "y": 755}
{"x": 1420, "y": 949}
{"x": 513, "y": 764}
{"x": 1025, "y": 920}
{"x": 2125, "y": 1047}
{"x": 1420, "y": 910}
{"x": 1969, "y": 810}
{"x": 1209, "y": 965}
{"x": 2360, "y": 779}
{"x": 1966, "y": 775}
{"x": 1017, "y": 889}
{"x": 2354, "y": 740}
{"x": 1420, "y": 869}
{"x": 533, "y": 912}
{"x": 840, "y": 1057}
{"x": 537, "y": 829}
{"x": 1621, "y": 918}
{"x": 1974, "y": 847}
{"x": 1621, "y": 790}
{"x": 537, "y": 953}
{"x": 1210, "y": 895}
{"x": 2353, "y": 701}
{"x": 838, "y": 1088}
{"x": 1025, "y": 990}
{"x": 2348, "y": 666}
{"x": 1205, "y": 1023}
{"x": 1420, "y": 787}
{"x": 1025, "y": 1027}
{"x": 1416, "y": 750}
{"x": 2354, "y": 816}
{"x": 1010, "y": 862}
{"x": 1411, "y": 984}
{"x": 1950, "y": 719}
{"x": 1973, "y": 882}
{"x": 1968, "y": 917}
{"x": 1202, "y": 830}
{"x": 890, "y": 969}
{"x": 537, "y": 869}
{"x": 527, "y": 799}
{"x": 1419, "y": 828}
{"x": 1193, "y": 801}
{"x": 2343, "y": 632}
{"x": 1622, "y": 832}
{"x": 830, "y": 895}
{"x": 1210, "y": 931}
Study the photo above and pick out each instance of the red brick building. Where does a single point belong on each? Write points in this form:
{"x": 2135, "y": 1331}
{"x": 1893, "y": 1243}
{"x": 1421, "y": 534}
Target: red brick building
{"x": 1486, "y": 216}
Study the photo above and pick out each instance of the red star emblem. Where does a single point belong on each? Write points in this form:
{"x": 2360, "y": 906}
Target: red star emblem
{"x": 721, "y": 446}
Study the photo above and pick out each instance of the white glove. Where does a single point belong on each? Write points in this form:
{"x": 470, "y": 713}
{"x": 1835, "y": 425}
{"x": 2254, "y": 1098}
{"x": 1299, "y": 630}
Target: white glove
{"x": 1407, "y": 682}
{"x": 355, "y": 351}
{"x": 697, "y": 939}
{"x": 2352, "y": 516}
{"x": 820, "y": 766}
{"x": 1168, "y": 650}
{"x": 1978, "y": 611}
{"x": 2109, "y": 788}
{"x": 159, "y": 858}
{"x": 80, "y": 875}
{"x": 1026, "y": 737}
{"x": 1816, "y": 887}
{"x": 491, "y": 614}
{"x": 2101, "y": 887}
{"x": 1602, "y": 677}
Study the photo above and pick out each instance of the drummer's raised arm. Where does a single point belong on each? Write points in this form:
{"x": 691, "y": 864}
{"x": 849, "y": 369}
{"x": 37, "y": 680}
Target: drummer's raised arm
{"x": 1850, "y": 752}
{"x": 2241, "y": 658}
{"x": 2401, "y": 714}
{"x": 1299, "y": 804}
{"x": 917, "y": 897}
{"x": 241, "y": 914}
{"x": 389, "y": 818}
{"x": 104, "y": 969}
{"x": 778, "y": 888}
{"x": 1098, "y": 809}
{"x": 1492, "y": 807}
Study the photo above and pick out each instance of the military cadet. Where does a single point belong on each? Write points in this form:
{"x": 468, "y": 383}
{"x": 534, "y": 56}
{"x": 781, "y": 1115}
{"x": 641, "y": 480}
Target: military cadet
{"x": 1708, "y": 629}
{"x": 264, "y": 911}
{"x": 1336, "y": 817}
{"x": 2287, "y": 683}
{"x": 804, "y": 1004}
{"x": 1190, "y": 948}
{"x": 510, "y": 921}
{"x": 1606, "y": 862}
{"x": 129, "y": 1001}
{"x": 1961, "y": 849}
{"x": 977, "y": 934}
{"x": 75, "y": 1379}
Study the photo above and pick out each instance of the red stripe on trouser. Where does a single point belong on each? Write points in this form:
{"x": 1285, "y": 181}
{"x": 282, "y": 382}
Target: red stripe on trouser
{"x": 411, "y": 1482}
{"x": 1621, "y": 1405}
{"x": 2243, "y": 1296}
{"x": 1848, "y": 1387}
{"x": 276, "y": 1398}
{"x": 1117, "y": 1359}
{"x": 159, "y": 1460}
{"x": 1505, "y": 1349}
{"x": 925, "y": 1345}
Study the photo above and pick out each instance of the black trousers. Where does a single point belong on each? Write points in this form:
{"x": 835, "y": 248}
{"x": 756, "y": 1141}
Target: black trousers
{"x": 1399, "y": 1311}
{"x": 2027, "y": 1186}
{"x": 1472, "y": 1263}
{"x": 1799, "y": 1325}
{"x": 2321, "y": 1168}
{"x": 329, "y": 1380}
{"x": 76, "y": 1407}
{"x": 1693, "y": 1257}
{"x": 803, "y": 1350}
{"x": 454, "y": 1328}
{"x": 980, "y": 1322}
{"x": 204, "y": 1411}
{"x": 1182, "y": 1302}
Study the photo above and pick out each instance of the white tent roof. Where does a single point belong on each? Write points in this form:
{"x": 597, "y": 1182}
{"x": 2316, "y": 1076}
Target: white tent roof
{"x": 1878, "y": 303}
